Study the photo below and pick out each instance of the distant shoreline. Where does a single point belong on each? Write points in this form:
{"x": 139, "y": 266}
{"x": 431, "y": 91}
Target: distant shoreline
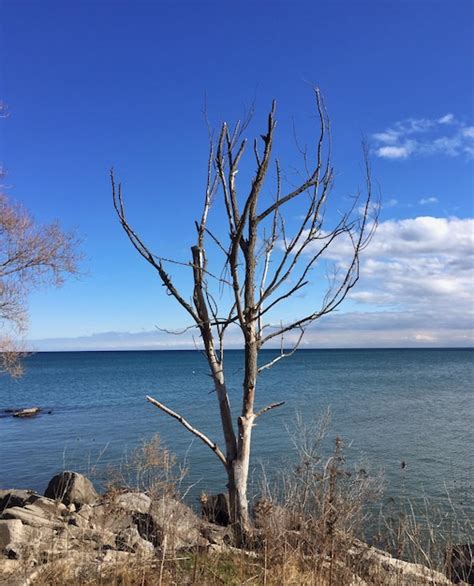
{"x": 348, "y": 349}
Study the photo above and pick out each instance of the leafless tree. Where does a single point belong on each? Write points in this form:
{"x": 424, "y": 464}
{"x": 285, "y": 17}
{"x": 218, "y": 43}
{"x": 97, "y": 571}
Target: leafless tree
{"x": 30, "y": 255}
{"x": 266, "y": 262}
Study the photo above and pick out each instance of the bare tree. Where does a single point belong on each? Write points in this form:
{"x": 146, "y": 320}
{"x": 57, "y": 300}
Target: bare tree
{"x": 266, "y": 262}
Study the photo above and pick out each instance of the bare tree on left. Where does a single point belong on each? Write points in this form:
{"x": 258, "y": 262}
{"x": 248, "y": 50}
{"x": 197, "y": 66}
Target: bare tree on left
{"x": 31, "y": 255}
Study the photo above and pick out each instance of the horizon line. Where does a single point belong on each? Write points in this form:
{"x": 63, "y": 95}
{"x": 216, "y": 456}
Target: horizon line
{"x": 31, "y": 352}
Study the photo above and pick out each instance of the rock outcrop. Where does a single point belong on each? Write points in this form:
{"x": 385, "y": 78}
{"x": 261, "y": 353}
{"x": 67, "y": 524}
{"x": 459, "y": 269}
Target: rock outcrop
{"x": 73, "y": 518}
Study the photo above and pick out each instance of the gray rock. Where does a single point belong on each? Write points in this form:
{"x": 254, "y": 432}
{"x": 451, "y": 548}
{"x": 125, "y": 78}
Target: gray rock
{"x": 130, "y": 540}
{"x": 46, "y": 506}
{"x": 117, "y": 557}
{"x": 11, "y": 572}
{"x": 379, "y": 567}
{"x": 105, "y": 517}
{"x": 33, "y": 518}
{"x": 148, "y": 528}
{"x": 272, "y": 518}
{"x": 11, "y": 531}
{"x": 177, "y": 522}
{"x": 133, "y": 502}
{"x": 71, "y": 488}
{"x": 15, "y": 498}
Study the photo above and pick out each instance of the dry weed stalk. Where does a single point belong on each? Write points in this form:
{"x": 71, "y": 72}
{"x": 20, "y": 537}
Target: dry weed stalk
{"x": 320, "y": 507}
{"x": 151, "y": 468}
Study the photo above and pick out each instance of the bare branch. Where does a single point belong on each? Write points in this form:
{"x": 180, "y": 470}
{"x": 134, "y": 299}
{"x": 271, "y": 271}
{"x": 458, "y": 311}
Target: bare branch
{"x": 283, "y": 354}
{"x": 214, "y": 447}
{"x": 268, "y": 407}
{"x": 141, "y": 248}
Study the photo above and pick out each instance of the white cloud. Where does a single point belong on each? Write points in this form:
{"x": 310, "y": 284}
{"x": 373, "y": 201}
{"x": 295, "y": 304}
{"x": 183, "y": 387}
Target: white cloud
{"x": 394, "y": 152}
{"x": 388, "y": 137}
{"x": 468, "y": 131}
{"x": 446, "y": 119}
{"x": 417, "y": 276}
{"x": 415, "y": 289}
{"x": 421, "y": 136}
{"x": 427, "y": 200}
{"x": 424, "y": 235}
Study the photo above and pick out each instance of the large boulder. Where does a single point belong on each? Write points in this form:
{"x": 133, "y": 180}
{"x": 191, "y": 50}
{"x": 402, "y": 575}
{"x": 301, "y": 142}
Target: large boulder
{"x": 173, "y": 521}
{"x": 217, "y": 534}
{"x": 178, "y": 522}
{"x": 19, "y": 540}
{"x": 71, "y": 488}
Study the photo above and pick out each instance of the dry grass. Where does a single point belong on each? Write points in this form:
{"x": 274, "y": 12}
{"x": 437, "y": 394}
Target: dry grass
{"x": 150, "y": 468}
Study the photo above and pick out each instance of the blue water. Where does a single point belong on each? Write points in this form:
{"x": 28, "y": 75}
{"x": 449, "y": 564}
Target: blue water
{"x": 415, "y": 406}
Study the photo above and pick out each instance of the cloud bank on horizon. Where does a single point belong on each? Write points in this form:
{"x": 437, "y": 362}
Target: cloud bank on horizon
{"x": 415, "y": 289}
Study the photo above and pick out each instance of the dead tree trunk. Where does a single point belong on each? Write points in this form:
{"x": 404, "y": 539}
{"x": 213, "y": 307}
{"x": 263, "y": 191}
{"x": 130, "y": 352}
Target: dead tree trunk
{"x": 265, "y": 264}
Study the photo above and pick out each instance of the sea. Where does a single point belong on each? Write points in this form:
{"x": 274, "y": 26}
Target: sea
{"x": 404, "y": 414}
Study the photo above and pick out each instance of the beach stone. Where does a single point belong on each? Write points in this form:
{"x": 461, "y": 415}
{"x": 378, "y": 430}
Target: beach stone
{"x": 148, "y": 528}
{"x": 177, "y": 522}
{"x": 103, "y": 539}
{"x": 11, "y": 531}
{"x": 130, "y": 540}
{"x": 82, "y": 518}
{"x": 47, "y": 506}
{"x": 115, "y": 557}
{"x": 133, "y": 502}
{"x": 104, "y": 517}
{"x": 33, "y": 518}
{"x": 14, "y": 498}
{"x": 71, "y": 488}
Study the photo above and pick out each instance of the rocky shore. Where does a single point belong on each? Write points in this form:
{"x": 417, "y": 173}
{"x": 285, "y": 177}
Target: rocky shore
{"x": 71, "y": 524}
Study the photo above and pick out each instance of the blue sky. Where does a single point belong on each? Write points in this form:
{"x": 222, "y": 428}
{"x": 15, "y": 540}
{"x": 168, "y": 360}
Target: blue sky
{"x": 95, "y": 84}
